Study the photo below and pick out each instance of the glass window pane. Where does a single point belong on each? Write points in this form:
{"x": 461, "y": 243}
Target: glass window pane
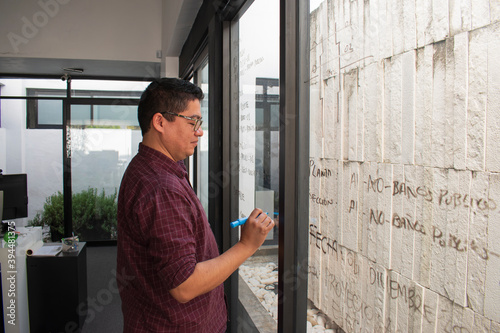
{"x": 202, "y": 149}
{"x": 110, "y": 115}
{"x": 44, "y": 169}
{"x": 258, "y": 155}
{"x": 99, "y": 158}
{"x": 50, "y": 112}
{"x": 80, "y": 115}
{"x": 259, "y": 117}
{"x": 275, "y": 115}
{"x": 37, "y": 153}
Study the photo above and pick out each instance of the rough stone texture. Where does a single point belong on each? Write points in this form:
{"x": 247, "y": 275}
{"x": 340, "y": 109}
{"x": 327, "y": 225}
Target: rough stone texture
{"x": 406, "y": 99}
{"x": 493, "y": 100}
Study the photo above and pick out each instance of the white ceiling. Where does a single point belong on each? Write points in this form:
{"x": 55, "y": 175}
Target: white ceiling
{"x": 177, "y": 18}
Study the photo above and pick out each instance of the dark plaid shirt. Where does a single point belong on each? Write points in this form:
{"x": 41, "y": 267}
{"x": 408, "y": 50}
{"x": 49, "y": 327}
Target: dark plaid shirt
{"x": 163, "y": 232}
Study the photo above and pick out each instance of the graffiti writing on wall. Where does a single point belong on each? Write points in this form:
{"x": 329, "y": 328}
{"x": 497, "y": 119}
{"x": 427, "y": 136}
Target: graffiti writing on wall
{"x": 443, "y": 197}
{"x": 438, "y": 237}
{"x": 349, "y": 304}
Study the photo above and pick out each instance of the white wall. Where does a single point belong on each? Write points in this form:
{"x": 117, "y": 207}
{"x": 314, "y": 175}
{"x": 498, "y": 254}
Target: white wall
{"x": 405, "y": 182}
{"x": 127, "y": 30}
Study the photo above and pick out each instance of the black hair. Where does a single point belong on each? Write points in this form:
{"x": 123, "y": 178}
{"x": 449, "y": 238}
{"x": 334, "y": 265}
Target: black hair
{"x": 165, "y": 95}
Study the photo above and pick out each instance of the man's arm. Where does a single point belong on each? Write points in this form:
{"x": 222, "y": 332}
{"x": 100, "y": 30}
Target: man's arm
{"x": 209, "y": 274}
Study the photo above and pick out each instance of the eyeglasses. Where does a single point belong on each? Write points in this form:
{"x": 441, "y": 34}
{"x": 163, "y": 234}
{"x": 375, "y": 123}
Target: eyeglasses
{"x": 197, "y": 121}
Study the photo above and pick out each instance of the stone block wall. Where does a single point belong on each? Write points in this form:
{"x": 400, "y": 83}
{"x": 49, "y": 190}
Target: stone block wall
{"x": 405, "y": 165}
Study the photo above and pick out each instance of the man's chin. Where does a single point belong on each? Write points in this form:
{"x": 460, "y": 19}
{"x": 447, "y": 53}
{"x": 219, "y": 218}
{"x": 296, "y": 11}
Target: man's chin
{"x": 190, "y": 153}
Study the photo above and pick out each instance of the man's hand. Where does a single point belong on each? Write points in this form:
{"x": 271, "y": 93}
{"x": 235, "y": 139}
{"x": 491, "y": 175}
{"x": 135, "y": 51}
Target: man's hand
{"x": 256, "y": 228}
{"x": 209, "y": 274}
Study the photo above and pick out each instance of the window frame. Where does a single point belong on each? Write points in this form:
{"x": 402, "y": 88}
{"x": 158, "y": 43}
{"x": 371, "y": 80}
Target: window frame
{"x": 33, "y": 95}
{"x": 294, "y": 153}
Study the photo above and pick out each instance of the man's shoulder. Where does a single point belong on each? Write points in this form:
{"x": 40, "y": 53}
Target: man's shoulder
{"x": 144, "y": 173}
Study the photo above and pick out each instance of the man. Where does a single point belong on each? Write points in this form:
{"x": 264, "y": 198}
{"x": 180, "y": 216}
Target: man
{"x": 170, "y": 271}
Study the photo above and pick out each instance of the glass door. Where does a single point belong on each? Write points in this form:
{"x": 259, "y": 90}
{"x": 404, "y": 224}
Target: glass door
{"x": 257, "y": 63}
{"x": 104, "y": 135}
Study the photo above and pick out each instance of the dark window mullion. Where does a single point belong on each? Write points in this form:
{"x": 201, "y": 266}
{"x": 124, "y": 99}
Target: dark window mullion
{"x": 294, "y": 154}
{"x": 67, "y": 189}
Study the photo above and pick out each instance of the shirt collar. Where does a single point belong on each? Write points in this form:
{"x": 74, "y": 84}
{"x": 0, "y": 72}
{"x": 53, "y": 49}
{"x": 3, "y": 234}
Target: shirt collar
{"x": 160, "y": 160}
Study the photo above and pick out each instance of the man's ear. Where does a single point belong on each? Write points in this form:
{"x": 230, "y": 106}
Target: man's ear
{"x": 158, "y": 122}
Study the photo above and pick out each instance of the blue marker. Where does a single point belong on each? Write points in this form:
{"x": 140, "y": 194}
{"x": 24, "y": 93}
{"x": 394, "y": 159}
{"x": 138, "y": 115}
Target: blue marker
{"x": 240, "y": 221}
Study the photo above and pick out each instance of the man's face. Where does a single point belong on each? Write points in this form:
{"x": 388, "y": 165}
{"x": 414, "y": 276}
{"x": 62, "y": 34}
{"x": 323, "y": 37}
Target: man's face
{"x": 180, "y": 139}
